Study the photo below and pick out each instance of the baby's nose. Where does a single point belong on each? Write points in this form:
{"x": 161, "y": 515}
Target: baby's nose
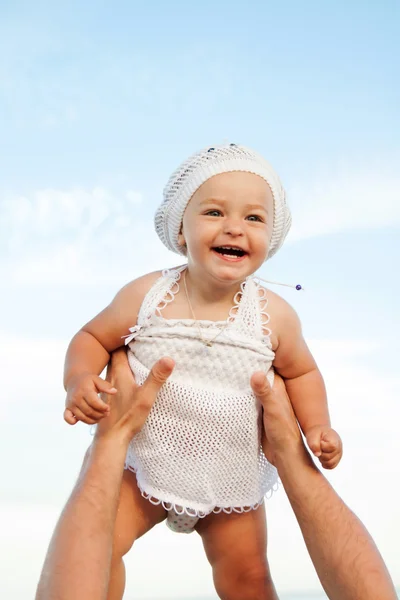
{"x": 233, "y": 227}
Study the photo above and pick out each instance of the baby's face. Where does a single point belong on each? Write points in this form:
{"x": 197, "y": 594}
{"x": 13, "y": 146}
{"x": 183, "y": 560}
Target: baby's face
{"x": 227, "y": 225}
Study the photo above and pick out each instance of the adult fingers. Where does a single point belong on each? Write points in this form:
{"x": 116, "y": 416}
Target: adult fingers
{"x": 144, "y": 397}
{"x": 267, "y": 394}
{"x": 158, "y": 375}
{"x": 120, "y": 374}
{"x": 118, "y": 363}
{"x": 267, "y": 448}
{"x": 260, "y": 386}
{"x": 119, "y": 357}
{"x": 279, "y": 421}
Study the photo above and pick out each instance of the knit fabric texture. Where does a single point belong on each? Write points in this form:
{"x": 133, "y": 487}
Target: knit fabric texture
{"x": 200, "y": 448}
{"x": 197, "y": 169}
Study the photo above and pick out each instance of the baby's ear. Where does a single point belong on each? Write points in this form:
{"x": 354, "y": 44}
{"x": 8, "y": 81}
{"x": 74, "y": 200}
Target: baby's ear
{"x": 181, "y": 239}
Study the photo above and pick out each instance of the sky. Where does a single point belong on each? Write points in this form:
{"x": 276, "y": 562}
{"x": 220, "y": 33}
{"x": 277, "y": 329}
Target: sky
{"x": 99, "y": 103}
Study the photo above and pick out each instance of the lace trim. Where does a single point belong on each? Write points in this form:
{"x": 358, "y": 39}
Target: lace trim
{"x": 173, "y": 288}
{"x": 264, "y": 316}
{"x": 192, "y": 512}
{"x": 168, "y": 298}
{"x": 175, "y": 274}
{"x": 233, "y": 313}
{"x": 263, "y": 303}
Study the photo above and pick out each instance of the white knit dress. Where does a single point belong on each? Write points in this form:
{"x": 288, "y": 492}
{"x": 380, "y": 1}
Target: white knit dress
{"x": 200, "y": 448}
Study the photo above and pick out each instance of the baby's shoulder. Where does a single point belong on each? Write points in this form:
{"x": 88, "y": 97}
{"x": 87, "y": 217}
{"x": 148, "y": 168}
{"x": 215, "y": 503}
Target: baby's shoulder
{"x": 282, "y": 315}
{"x": 143, "y": 283}
{"x": 275, "y": 302}
{"x": 136, "y": 290}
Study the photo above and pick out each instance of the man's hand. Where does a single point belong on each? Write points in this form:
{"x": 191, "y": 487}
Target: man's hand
{"x": 325, "y": 443}
{"x": 83, "y": 403}
{"x": 280, "y": 429}
{"x": 131, "y": 405}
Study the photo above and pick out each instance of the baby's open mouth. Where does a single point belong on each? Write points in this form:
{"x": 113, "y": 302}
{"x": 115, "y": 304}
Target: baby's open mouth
{"x": 230, "y": 251}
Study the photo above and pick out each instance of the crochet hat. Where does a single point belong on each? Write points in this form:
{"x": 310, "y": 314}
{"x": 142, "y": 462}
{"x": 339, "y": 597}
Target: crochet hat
{"x": 197, "y": 169}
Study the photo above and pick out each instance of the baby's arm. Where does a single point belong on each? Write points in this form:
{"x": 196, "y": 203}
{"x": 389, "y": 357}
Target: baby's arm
{"x": 305, "y": 386}
{"x": 90, "y": 349}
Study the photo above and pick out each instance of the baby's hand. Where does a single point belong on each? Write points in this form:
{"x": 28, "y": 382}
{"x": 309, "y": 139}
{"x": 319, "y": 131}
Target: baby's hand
{"x": 83, "y": 403}
{"x": 326, "y": 444}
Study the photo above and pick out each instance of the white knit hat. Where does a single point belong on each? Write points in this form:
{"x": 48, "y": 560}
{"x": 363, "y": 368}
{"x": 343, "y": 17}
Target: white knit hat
{"x": 197, "y": 169}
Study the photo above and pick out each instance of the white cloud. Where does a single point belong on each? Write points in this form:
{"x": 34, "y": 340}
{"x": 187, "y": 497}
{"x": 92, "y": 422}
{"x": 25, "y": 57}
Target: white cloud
{"x": 134, "y": 197}
{"x": 360, "y": 200}
{"x": 91, "y": 236}
{"x": 51, "y": 212}
{"x": 78, "y": 236}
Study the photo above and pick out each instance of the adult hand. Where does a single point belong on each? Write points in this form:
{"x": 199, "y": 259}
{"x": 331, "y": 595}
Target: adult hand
{"x": 130, "y": 407}
{"x": 281, "y": 433}
{"x": 84, "y": 533}
{"x": 334, "y": 536}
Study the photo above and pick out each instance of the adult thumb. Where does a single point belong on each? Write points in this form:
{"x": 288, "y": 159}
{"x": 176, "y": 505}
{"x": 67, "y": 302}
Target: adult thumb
{"x": 260, "y": 386}
{"x": 158, "y": 375}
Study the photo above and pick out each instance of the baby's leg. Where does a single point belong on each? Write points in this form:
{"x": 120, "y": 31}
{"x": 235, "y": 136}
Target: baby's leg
{"x": 136, "y": 516}
{"x": 236, "y": 546}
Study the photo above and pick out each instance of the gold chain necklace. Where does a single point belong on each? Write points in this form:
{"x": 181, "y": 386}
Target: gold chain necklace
{"x": 207, "y": 343}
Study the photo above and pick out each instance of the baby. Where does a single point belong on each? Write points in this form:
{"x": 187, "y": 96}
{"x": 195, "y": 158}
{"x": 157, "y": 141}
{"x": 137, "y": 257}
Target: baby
{"x": 198, "y": 460}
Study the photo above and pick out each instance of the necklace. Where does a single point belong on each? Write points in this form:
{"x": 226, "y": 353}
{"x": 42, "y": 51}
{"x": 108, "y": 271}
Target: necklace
{"x": 207, "y": 343}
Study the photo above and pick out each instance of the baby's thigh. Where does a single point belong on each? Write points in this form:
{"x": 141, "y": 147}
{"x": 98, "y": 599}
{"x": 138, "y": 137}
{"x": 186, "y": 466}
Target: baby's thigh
{"x": 135, "y": 517}
{"x": 236, "y": 546}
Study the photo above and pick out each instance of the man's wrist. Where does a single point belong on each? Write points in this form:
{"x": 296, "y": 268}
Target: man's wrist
{"x": 115, "y": 437}
{"x": 292, "y": 458}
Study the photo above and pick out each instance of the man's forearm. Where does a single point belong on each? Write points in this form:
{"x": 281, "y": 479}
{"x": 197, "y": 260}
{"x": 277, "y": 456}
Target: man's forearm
{"x": 344, "y": 555}
{"x": 84, "y": 534}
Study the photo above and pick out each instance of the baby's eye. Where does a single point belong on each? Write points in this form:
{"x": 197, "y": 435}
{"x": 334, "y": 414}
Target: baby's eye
{"x": 255, "y": 218}
{"x": 213, "y": 213}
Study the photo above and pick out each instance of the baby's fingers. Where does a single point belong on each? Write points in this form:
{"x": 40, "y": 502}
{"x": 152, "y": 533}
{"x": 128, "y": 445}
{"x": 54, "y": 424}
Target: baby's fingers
{"x": 69, "y": 417}
{"x": 80, "y": 416}
{"x": 90, "y": 412}
{"x": 328, "y": 445}
{"x": 96, "y": 403}
{"x": 73, "y": 417}
{"x": 104, "y": 386}
{"x": 330, "y": 461}
{"x": 329, "y": 465}
{"x": 314, "y": 443}
{"x": 81, "y": 411}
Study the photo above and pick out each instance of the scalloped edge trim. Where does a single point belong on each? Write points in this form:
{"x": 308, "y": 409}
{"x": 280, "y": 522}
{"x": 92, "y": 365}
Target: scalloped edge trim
{"x": 192, "y": 512}
{"x": 264, "y": 315}
{"x": 171, "y": 289}
{"x": 237, "y": 298}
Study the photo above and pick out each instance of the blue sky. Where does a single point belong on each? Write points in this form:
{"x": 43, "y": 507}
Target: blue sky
{"x": 99, "y": 102}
